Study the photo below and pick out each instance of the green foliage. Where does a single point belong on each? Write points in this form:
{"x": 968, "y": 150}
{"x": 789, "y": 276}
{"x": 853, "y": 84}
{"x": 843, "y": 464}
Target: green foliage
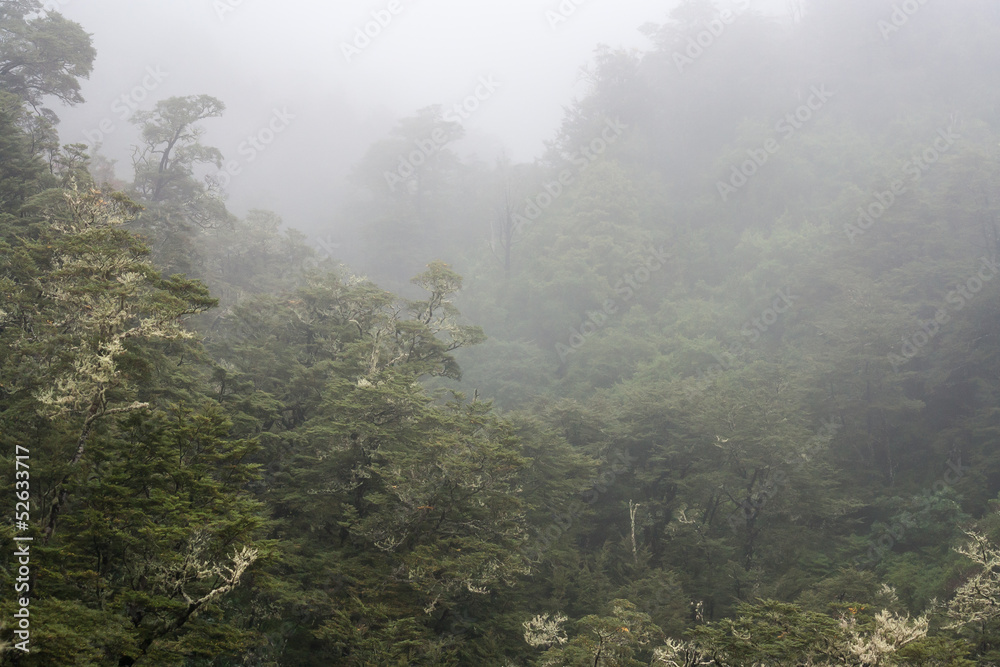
{"x": 619, "y": 639}
{"x": 144, "y": 519}
{"x": 740, "y": 430}
{"x": 180, "y": 206}
{"x": 158, "y": 533}
{"x": 42, "y": 54}
{"x": 21, "y": 171}
{"x": 771, "y": 633}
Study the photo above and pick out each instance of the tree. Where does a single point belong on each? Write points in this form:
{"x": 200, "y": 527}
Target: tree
{"x": 100, "y": 295}
{"x": 504, "y": 226}
{"x": 42, "y": 54}
{"x": 770, "y": 632}
{"x": 145, "y": 523}
{"x": 381, "y": 490}
{"x": 171, "y": 149}
{"x": 179, "y": 206}
{"x": 410, "y": 181}
{"x": 21, "y": 172}
{"x": 615, "y": 640}
{"x": 160, "y": 531}
{"x": 254, "y": 255}
{"x": 974, "y": 607}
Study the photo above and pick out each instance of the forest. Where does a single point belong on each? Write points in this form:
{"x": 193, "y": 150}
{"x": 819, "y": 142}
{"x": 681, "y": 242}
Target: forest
{"x": 715, "y": 380}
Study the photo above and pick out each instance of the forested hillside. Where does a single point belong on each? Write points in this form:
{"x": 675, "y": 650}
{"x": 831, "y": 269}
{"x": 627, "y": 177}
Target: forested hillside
{"x": 714, "y": 381}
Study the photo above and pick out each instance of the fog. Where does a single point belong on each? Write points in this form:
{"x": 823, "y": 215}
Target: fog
{"x": 524, "y": 334}
{"x": 259, "y": 55}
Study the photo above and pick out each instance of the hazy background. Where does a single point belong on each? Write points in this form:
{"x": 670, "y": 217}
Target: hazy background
{"x": 259, "y": 55}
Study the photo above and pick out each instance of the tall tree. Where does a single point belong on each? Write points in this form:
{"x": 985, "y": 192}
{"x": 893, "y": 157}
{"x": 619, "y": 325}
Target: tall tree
{"x": 179, "y": 206}
{"x": 41, "y": 54}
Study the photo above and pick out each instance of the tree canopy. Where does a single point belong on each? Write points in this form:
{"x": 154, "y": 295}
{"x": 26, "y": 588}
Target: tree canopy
{"x": 711, "y": 382}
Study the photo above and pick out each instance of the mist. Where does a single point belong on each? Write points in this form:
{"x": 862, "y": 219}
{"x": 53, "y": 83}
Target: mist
{"x": 258, "y": 56}
{"x": 527, "y": 334}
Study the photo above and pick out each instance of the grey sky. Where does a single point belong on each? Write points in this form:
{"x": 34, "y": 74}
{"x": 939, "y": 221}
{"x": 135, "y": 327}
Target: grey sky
{"x": 259, "y": 56}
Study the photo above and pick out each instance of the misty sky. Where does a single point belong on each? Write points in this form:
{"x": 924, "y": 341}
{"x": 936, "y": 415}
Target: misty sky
{"x": 262, "y": 56}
